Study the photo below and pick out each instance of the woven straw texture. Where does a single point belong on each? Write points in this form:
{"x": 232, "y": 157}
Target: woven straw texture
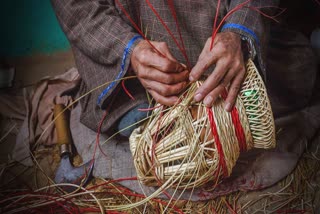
{"x": 188, "y": 145}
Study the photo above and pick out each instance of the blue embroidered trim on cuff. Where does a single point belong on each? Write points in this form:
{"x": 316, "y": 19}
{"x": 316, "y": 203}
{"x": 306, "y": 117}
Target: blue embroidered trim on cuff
{"x": 123, "y": 63}
{"x": 241, "y": 27}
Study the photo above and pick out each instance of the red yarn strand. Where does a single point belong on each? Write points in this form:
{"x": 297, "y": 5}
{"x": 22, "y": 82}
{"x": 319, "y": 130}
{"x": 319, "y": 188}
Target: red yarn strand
{"x": 237, "y": 125}
{"x": 168, "y": 30}
{"x": 215, "y": 24}
{"x": 222, "y": 161}
{"x": 174, "y": 14}
{"x": 126, "y": 90}
{"x": 136, "y": 27}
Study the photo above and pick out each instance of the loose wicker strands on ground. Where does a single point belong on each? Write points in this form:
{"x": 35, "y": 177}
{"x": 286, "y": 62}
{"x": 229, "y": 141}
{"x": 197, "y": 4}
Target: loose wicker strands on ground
{"x": 190, "y": 144}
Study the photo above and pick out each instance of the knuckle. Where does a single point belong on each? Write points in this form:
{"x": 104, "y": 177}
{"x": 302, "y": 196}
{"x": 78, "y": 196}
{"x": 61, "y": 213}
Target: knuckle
{"x": 141, "y": 73}
{"x": 163, "y": 45}
{"x": 202, "y": 66}
{"x": 222, "y": 48}
{"x": 166, "y": 66}
{"x": 165, "y": 91}
{"x": 228, "y": 59}
{"x": 235, "y": 88}
{"x": 237, "y": 63}
{"x": 216, "y": 77}
{"x": 205, "y": 90}
{"x": 181, "y": 86}
{"x": 143, "y": 56}
{"x": 167, "y": 79}
{"x": 243, "y": 70}
{"x": 173, "y": 89}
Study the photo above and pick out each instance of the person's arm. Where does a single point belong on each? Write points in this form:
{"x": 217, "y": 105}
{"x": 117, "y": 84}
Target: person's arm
{"x": 98, "y": 31}
{"x": 227, "y": 55}
{"x": 159, "y": 72}
{"x": 249, "y": 23}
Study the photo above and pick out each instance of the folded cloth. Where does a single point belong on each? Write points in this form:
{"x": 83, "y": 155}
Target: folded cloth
{"x": 132, "y": 119}
{"x": 37, "y": 127}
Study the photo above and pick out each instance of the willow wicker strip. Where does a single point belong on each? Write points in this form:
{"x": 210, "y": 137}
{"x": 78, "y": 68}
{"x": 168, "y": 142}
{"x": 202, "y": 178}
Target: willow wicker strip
{"x": 178, "y": 145}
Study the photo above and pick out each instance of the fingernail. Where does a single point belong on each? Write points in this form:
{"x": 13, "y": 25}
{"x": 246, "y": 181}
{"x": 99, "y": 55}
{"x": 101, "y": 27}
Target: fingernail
{"x": 198, "y": 97}
{"x": 227, "y": 107}
{"x": 183, "y": 65}
{"x": 191, "y": 79}
{"x": 208, "y": 101}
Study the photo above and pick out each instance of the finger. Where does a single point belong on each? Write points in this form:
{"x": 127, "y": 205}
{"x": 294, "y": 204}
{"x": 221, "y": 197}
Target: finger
{"x": 212, "y": 96}
{"x": 164, "y": 89}
{"x": 201, "y": 66}
{"x": 164, "y": 49}
{"x": 153, "y": 59}
{"x": 212, "y": 81}
{"x": 225, "y": 82}
{"x": 206, "y": 50}
{"x": 159, "y": 76}
{"x": 206, "y": 59}
{"x": 233, "y": 91}
{"x": 168, "y": 101}
{"x": 161, "y": 58}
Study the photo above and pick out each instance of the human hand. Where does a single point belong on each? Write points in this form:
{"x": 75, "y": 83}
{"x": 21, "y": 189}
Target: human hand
{"x": 229, "y": 71}
{"x": 161, "y": 75}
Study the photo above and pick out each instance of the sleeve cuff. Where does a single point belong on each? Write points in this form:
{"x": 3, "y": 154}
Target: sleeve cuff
{"x": 124, "y": 66}
{"x": 247, "y": 35}
{"x": 241, "y": 28}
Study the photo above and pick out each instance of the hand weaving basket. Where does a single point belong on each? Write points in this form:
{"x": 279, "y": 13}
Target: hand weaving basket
{"x": 188, "y": 145}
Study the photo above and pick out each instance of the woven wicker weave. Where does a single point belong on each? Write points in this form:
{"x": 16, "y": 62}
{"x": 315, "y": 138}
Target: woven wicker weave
{"x": 177, "y": 145}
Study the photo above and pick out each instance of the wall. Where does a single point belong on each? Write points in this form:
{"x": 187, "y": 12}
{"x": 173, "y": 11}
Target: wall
{"x": 29, "y": 27}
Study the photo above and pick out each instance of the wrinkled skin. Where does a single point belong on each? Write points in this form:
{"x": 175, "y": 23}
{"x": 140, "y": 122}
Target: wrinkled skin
{"x": 165, "y": 78}
{"x": 161, "y": 74}
{"x": 229, "y": 71}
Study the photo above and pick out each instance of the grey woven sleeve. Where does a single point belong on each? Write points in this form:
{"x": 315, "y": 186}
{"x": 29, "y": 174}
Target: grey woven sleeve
{"x": 251, "y": 24}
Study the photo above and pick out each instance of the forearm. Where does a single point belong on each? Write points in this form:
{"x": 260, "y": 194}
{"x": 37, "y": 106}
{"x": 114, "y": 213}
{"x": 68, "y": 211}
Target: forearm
{"x": 251, "y": 24}
{"x": 95, "y": 28}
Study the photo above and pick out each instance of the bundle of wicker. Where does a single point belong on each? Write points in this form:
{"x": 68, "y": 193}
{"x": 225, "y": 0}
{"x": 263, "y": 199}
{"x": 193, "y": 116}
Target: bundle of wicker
{"x": 187, "y": 145}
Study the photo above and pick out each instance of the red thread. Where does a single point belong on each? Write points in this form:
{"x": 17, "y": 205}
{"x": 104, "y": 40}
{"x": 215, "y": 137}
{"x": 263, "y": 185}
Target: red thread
{"x": 229, "y": 207}
{"x": 30, "y": 195}
{"x": 237, "y": 125}
{"x": 215, "y": 23}
{"x": 266, "y": 15}
{"x": 137, "y": 27}
{"x": 238, "y": 129}
{"x": 174, "y": 14}
{"x": 100, "y": 126}
{"x": 126, "y": 90}
{"x": 238, "y": 7}
{"x": 222, "y": 161}
{"x": 150, "y": 109}
{"x": 168, "y": 30}
{"x": 128, "y": 192}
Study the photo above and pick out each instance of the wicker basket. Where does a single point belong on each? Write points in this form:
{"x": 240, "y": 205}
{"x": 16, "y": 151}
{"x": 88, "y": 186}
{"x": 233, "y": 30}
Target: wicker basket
{"x": 187, "y": 145}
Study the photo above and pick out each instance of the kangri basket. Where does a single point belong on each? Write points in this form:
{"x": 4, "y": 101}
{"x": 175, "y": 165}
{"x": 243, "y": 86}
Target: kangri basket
{"x": 188, "y": 145}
